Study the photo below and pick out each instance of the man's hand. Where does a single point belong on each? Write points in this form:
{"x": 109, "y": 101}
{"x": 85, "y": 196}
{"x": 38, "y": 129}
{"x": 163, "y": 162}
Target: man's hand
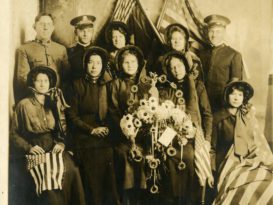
{"x": 100, "y": 131}
{"x": 36, "y": 150}
{"x": 59, "y": 147}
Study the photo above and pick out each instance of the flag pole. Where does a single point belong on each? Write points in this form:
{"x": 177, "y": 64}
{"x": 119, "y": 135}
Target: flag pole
{"x": 150, "y": 22}
{"x": 268, "y": 129}
{"x": 203, "y": 197}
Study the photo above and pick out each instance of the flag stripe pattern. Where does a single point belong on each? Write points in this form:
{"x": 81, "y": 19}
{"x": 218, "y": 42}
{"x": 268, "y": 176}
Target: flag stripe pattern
{"x": 201, "y": 158}
{"x": 244, "y": 183}
{"x": 182, "y": 12}
{"x": 47, "y": 171}
{"x": 123, "y": 10}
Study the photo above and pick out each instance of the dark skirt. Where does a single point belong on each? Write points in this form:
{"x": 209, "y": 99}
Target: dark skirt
{"x": 97, "y": 170}
{"x": 181, "y": 185}
{"x": 22, "y": 190}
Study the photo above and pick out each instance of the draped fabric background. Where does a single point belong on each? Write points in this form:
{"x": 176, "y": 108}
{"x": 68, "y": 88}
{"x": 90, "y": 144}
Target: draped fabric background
{"x": 250, "y": 30}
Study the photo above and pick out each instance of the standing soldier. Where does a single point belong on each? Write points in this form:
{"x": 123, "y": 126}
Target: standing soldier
{"x": 84, "y": 29}
{"x": 41, "y": 51}
{"x": 221, "y": 63}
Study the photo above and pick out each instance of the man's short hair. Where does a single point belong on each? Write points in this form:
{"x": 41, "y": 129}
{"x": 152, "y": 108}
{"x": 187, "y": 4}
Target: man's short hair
{"x": 38, "y": 17}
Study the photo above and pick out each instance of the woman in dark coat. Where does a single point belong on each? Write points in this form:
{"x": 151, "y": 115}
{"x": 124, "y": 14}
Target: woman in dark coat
{"x": 117, "y": 36}
{"x": 38, "y": 131}
{"x": 177, "y": 39}
{"x": 125, "y": 93}
{"x": 181, "y": 186}
{"x": 242, "y": 158}
{"x": 90, "y": 129}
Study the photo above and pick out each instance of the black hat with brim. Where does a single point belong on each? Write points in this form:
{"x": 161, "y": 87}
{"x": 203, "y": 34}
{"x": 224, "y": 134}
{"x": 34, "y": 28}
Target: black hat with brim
{"x": 136, "y": 50}
{"x": 42, "y": 69}
{"x": 167, "y": 57}
{"x": 247, "y": 90}
{"x": 83, "y": 21}
{"x": 169, "y": 29}
{"x": 113, "y": 26}
{"x": 95, "y": 50}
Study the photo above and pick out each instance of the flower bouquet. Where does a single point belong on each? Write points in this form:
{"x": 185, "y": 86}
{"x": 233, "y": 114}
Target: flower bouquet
{"x": 165, "y": 120}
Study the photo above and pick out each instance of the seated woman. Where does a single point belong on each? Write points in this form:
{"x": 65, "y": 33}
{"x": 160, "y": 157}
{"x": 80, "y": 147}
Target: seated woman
{"x": 242, "y": 158}
{"x": 38, "y": 131}
{"x": 90, "y": 129}
{"x": 125, "y": 92}
{"x": 177, "y": 39}
{"x": 181, "y": 186}
{"x": 117, "y": 36}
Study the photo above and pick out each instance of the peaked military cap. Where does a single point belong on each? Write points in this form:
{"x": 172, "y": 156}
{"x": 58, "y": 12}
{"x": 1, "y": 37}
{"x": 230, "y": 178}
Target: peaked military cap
{"x": 216, "y": 20}
{"x": 83, "y": 21}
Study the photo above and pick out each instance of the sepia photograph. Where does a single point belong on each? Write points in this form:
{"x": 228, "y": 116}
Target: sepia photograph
{"x": 136, "y": 102}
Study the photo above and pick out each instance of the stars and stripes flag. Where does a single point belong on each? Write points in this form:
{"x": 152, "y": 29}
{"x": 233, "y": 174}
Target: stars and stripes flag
{"x": 202, "y": 158}
{"x": 183, "y": 12}
{"x": 244, "y": 183}
{"x": 47, "y": 171}
{"x": 123, "y": 10}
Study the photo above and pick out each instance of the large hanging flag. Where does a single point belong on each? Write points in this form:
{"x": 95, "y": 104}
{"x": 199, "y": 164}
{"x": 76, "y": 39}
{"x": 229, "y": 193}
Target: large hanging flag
{"x": 183, "y": 12}
{"x": 46, "y": 170}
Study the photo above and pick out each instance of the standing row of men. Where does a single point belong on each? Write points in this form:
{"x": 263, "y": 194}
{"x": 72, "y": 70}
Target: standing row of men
{"x": 221, "y": 63}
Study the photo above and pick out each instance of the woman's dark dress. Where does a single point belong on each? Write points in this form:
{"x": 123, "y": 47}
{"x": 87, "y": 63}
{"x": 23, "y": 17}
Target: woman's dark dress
{"x": 32, "y": 125}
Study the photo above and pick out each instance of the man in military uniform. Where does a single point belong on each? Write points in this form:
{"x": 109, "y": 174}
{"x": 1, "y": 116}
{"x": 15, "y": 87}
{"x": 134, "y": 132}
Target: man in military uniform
{"x": 84, "y": 28}
{"x": 221, "y": 63}
{"x": 41, "y": 51}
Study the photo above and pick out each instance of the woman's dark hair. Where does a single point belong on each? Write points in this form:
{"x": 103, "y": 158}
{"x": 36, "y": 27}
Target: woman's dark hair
{"x": 167, "y": 63}
{"x": 241, "y": 88}
{"x": 179, "y": 28}
{"x": 38, "y": 17}
{"x": 32, "y": 76}
{"x": 121, "y": 30}
{"x": 96, "y": 51}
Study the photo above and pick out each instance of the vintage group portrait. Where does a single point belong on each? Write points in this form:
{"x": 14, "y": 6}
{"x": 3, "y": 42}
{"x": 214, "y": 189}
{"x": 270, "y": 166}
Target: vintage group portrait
{"x": 140, "y": 102}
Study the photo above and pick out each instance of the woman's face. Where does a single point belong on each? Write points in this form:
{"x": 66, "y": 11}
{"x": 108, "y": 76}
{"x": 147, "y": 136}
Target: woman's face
{"x": 178, "y": 41}
{"x": 177, "y": 68}
{"x": 118, "y": 39}
{"x": 94, "y": 65}
{"x": 130, "y": 64}
{"x": 236, "y": 98}
{"x": 41, "y": 83}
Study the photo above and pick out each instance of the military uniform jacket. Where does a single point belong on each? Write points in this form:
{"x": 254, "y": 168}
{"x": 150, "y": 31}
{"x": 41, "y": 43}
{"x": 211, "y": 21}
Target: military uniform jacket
{"x": 75, "y": 58}
{"x": 35, "y": 53}
{"x": 221, "y": 65}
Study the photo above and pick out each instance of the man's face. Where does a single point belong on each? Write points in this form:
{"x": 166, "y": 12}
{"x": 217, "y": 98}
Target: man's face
{"x": 84, "y": 34}
{"x": 44, "y": 28}
{"x": 118, "y": 39}
{"x": 216, "y": 35}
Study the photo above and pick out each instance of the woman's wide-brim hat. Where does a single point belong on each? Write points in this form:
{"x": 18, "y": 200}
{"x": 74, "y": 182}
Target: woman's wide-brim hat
{"x": 42, "y": 69}
{"x": 167, "y": 57}
{"x": 247, "y": 89}
{"x": 95, "y": 50}
{"x": 170, "y": 27}
{"x": 136, "y": 50}
{"x": 115, "y": 25}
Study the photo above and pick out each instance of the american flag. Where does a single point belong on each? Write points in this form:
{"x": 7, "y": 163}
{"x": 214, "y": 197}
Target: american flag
{"x": 201, "y": 158}
{"x": 123, "y": 10}
{"x": 183, "y": 12}
{"x": 46, "y": 170}
{"x": 244, "y": 183}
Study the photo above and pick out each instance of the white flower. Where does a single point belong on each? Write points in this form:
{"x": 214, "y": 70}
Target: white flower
{"x": 162, "y": 113}
{"x": 168, "y": 104}
{"x": 153, "y": 101}
{"x": 178, "y": 115}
